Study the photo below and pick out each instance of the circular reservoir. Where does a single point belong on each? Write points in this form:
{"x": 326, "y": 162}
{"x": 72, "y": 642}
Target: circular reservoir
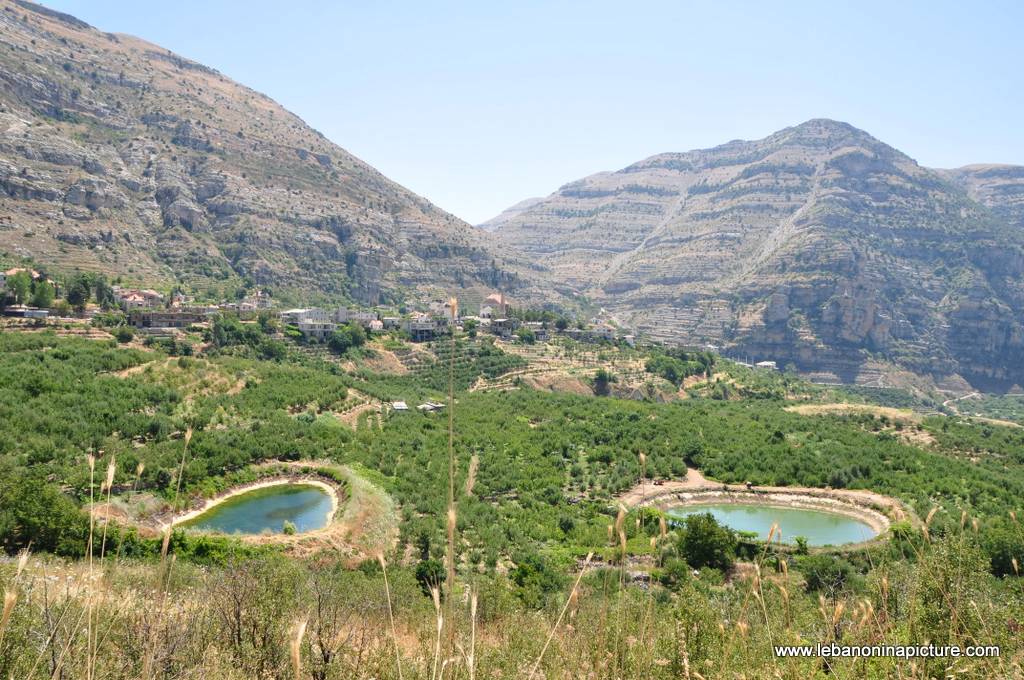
{"x": 263, "y": 510}
{"x": 819, "y": 527}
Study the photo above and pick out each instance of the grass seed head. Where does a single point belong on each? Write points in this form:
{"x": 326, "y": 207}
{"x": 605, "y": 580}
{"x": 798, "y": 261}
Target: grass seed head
{"x": 167, "y": 541}
{"x": 435, "y": 595}
{"x": 10, "y": 599}
{"x": 111, "y": 469}
{"x": 22, "y": 562}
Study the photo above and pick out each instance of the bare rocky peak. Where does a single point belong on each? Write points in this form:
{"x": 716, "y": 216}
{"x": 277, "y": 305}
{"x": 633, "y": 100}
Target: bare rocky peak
{"x": 817, "y": 245}
{"x": 509, "y": 213}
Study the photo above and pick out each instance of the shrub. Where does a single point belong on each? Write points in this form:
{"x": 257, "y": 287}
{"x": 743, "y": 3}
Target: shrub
{"x": 674, "y": 574}
{"x": 704, "y": 542}
{"x": 825, "y": 573}
{"x": 430, "y": 574}
{"x": 536, "y": 578}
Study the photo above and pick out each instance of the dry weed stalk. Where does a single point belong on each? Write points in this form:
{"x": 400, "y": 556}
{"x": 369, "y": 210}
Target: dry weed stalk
{"x": 471, "y": 658}
{"x": 474, "y": 465}
{"x": 10, "y": 599}
{"x": 165, "y": 565}
{"x": 391, "y": 614}
{"x": 561, "y": 615}
{"x": 452, "y": 512}
{"x": 91, "y": 460}
{"x": 435, "y": 594}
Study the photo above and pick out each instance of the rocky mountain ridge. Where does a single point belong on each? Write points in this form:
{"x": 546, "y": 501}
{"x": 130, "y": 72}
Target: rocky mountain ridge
{"x": 119, "y": 156}
{"x": 818, "y": 246}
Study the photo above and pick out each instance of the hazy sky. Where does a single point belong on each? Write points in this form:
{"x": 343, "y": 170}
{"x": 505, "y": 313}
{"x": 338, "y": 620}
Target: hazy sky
{"x": 477, "y": 105}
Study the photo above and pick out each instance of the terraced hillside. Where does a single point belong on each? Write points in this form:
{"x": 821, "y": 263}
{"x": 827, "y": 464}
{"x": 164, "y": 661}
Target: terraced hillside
{"x": 818, "y": 245}
{"x": 117, "y": 155}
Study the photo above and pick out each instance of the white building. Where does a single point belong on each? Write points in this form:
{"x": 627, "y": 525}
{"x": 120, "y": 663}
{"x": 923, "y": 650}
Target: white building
{"x": 321, "y": 330}
{"x": 310, "y": 314}
{"x": 312, "y": 322}
{"x": 344, "y": 315}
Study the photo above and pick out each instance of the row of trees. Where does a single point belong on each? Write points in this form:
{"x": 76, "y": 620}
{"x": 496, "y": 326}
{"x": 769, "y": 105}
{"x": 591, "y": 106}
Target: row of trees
{"x": 675, "y": 365}
{"x": 78, "y": 289}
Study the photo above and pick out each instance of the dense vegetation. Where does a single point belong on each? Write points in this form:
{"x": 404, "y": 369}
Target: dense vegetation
{"x": 675, "y": 365}
{"x": 537, "y": 475}
{"x": 1005, "y": 407}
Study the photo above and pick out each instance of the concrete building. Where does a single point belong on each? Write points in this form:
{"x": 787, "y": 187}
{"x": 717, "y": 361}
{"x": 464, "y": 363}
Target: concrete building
{"x": 540, "y": 331}
{"x": 321, "y": 330}
{"x": 504, "y": 328}
{"x": 182, "y": 317}
{"x": 310, "y": 314}
{"x": 421, "y": 328}
{"x": 23, "y": 312}
{"x": 137, "y": 298}
{"x": 363, "y": 318}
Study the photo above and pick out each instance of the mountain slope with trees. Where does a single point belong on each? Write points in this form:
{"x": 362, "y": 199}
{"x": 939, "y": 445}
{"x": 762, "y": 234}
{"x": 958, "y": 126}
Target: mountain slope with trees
{"x": 121, "y": 157}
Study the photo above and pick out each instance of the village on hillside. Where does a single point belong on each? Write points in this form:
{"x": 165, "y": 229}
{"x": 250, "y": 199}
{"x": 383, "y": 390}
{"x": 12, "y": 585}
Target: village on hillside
{"x": 28, "y": 294}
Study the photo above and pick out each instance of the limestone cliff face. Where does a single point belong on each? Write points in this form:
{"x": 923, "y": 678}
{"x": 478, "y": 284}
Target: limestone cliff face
{"x": 120, "y": 156}
{"x": 818, "y": 245}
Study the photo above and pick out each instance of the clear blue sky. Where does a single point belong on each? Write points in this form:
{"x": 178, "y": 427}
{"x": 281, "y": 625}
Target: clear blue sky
{"x": 477, "y": 105}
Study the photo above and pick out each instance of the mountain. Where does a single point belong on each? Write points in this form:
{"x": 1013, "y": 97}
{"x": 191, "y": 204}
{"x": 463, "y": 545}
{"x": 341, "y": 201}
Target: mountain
{"x": 508, "y": 214}
{"x": 818, "y": 246}
{"x": 119, "y": 156}
{"x": 999, "y": 187}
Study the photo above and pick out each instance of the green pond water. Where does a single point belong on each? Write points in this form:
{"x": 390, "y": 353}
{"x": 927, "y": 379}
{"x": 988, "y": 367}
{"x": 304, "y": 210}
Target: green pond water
{"x": 306, "y": 506}
{"x": 817, "y": 526}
